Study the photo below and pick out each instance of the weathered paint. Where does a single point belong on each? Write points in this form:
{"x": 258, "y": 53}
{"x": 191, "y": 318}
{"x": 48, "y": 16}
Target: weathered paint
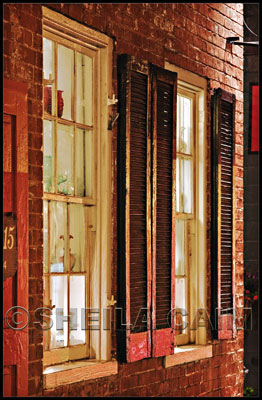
{"x": 16, "y": 342}
{"x": 138, "y": 346}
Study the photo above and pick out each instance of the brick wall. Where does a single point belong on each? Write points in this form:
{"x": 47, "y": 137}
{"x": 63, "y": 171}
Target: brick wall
{"x": 217, "y": 376}
{"x": 193, "y": 37}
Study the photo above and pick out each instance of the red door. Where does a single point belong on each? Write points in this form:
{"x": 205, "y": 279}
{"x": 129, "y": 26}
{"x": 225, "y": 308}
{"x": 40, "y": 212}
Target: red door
{"x": 15, "y": 239}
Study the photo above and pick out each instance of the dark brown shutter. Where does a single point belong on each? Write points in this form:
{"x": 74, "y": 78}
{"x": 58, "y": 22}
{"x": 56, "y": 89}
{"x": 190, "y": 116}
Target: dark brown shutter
{"x": 146, "y": 205}
{"x": 164, "y": 112}
{"x": 223, "y": 104}
{"x": 134, "y": 232}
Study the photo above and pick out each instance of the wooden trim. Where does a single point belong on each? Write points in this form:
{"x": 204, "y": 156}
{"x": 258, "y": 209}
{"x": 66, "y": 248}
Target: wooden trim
{"x": 186, "y": 354}
{"x": 69, "y": 199}
{"x": 73, "y": 30}
{"x": 15, "y": 103}
{"x": 66, "y": 374}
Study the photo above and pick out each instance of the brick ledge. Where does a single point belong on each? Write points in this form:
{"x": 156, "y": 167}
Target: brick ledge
{"x": 73, "y": 372}
{"x": 186, "y": 354}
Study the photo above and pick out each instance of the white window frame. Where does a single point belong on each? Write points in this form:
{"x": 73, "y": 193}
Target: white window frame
{"x": 100, "y": 292}
{"x": 188, "y": 81}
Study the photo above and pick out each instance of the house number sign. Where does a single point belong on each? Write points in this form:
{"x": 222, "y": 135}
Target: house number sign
{"x": 9, "y": 245}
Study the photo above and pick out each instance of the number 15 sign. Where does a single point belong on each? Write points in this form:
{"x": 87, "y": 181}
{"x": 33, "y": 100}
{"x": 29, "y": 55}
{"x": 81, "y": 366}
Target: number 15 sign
{"x": 9, "y": 246}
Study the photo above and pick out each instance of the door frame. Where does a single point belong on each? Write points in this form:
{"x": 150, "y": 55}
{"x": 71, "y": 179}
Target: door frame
{"x": 16, "y": 342}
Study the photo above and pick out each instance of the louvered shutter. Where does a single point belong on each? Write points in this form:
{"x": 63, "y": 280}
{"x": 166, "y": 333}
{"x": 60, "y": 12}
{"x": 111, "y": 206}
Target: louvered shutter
{"x": 146, "y": 209}
{"x": 163, "y": 283}
{"x": 223, "y": 104}
{"x": 134, "y": 208}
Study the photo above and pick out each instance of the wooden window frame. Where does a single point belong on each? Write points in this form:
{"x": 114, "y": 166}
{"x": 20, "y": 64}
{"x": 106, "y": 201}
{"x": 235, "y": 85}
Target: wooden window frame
{"x": 92, "y": 41}
{"x": 190, "y": 82}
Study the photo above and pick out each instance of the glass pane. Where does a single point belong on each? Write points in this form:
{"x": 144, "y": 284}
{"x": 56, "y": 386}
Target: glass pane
{"x": 178, "y": 106}
{"x": 178, "y": 185}
{"x": 58, "y": 294}
{"x": 58, "y": 236}
{"x": 77, "y": 237}
{"x": 47, "y": 321}
{"x": 89, "y": 163}
{"x": 77, "y": 302}
{"x": 84, "y": 107}
{"x": 180, "y": 247}
{"x": 187, "y": 192}
{"x": 186, "y": 144}
{"x": 49, "y": 74}
{"x": 48, "y": 59}
{"x": 80, "y": 161}
{"x": 45, "y": 236}
{"x": 65, "y": 81}
{"x": 184, "y": 125}
{"x": 49, "y": 163}
{"x": 181, "y": 304}
{"x": 65, "y": 159}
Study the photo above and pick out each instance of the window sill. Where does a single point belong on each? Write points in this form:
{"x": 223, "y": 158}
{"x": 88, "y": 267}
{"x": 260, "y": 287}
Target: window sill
{"x": 72, "y": 372}
{"x": 188, "y": 353}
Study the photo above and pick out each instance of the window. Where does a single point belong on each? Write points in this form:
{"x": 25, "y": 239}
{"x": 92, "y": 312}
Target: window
{"x": 161, "y": 209}
{"x": 192, "y": 318}
{"x": 77, "y": 195}
{"x": 185, "y": 210}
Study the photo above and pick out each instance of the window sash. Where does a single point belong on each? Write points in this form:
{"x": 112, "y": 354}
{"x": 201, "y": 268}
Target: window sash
{"x": 57, "y": 39}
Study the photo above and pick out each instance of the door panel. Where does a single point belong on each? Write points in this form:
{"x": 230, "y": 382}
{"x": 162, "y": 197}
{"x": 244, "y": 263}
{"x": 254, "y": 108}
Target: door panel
{"x": 15, "y": 267}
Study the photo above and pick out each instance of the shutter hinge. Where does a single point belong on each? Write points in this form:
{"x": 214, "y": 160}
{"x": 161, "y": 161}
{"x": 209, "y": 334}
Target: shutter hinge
{"x": 111, "y": 302}
{"x": 112, "y": 120}
{"x": 113, "y": 101}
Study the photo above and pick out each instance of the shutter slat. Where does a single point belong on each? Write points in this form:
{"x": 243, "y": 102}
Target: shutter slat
{"x": 222, "y": 225}
{"x": 164, "y": 204}
{"x": 138, "y": 185}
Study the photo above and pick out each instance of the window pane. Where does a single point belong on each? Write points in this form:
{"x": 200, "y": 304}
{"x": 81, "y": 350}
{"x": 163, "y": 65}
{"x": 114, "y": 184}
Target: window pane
{"x": 58, "y": 236}
{"x": 58, "y": 294}
{"x": 178, "y": 123}
{"x": 65, "y": 80}
{"x": 187, "y": 192}
{"x": 180, "y": 303}
{"x": 77, "y": 302}
{"x": 48, "y": 58}
{"x": 80, "y": 162}
{"x": 84, "y": 107}
{"x": 178, "y": 185}
{"x": 47, "y": 321}
{"x": 77, "y": 238}
{"x": 186, "y": 143}
{"x": 89, "y": 163}
{"x": 49, "y": 74}
{"x": 184, "y": 125}
{"x": 65, "y": 159}
{"x": 49, "y": 163}
{"x": 45, "y": 227}
{"x": 180, "y": 247}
